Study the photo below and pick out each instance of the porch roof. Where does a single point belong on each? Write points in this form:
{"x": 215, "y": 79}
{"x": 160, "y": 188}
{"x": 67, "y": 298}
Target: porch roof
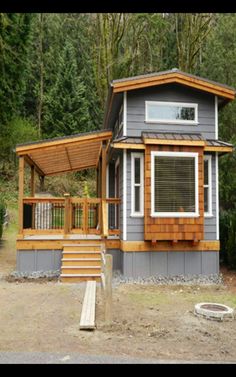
{"x": 172, "y": 138}
{"x": 64, "y": 154}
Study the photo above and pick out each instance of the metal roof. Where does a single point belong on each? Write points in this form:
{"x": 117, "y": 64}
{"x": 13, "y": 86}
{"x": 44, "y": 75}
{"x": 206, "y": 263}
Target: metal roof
{"x": 171, "y": 136}
{"x": 63, "y": 137}
{"x": 153, "y": 74}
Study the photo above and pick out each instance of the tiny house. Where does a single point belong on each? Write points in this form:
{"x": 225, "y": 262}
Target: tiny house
{"x": 157, "y": 203}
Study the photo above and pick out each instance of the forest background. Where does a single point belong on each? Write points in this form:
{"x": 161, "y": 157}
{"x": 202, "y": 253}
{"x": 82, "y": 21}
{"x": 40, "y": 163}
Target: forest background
{"x": 56, "y": 68}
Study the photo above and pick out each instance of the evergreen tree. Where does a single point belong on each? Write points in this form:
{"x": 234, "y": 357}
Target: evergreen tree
{"x": 66, "y": 108}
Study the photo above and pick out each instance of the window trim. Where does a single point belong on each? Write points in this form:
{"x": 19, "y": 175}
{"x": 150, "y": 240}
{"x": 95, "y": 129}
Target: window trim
{"x": 133, "y": 212}
{"x": 174, "y": 214}
{"x": 174, "y": 121}
{"x": 209, "y": 159}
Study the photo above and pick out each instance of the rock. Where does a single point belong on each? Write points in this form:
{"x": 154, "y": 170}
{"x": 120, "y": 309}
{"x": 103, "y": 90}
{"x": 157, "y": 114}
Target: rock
{"x": 169, "y": 280}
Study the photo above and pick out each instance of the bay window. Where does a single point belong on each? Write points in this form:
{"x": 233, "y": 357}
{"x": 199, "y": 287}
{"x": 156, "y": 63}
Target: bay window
{"x": 174, "y": 184}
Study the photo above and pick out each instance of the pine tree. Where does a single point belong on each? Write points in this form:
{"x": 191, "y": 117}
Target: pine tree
{"x": 66, "y": 108}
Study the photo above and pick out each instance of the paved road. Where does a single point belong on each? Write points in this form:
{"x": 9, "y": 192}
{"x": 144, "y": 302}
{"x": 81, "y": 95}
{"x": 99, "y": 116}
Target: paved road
{"x": 75, "y": 358}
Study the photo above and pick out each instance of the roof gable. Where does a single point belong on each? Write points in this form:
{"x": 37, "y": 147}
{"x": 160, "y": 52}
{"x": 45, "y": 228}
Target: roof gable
{"x": 174, "y": 76}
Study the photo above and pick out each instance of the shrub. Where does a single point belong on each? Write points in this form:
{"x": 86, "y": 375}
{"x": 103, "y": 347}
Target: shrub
{"x": 228, "y": 237}
{"x": 2, "y": 214}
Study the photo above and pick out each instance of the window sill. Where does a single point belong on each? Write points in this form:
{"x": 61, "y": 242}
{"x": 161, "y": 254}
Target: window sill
{"x": 208, "y": 215}
{"x": 136, "y": 215}
{"x": 171, "y": 123}
{"x": 175, "y": 214}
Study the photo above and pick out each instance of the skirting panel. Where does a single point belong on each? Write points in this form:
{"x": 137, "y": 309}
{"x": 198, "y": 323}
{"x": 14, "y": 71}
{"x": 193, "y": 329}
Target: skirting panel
{"x": 38, "y": 260}
{"x": 145, "y": 264}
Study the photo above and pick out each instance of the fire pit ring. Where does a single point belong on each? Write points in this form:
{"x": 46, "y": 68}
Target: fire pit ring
{"x": 215, "y": 311}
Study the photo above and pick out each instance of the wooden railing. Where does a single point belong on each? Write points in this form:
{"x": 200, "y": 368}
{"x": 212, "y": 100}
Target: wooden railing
{"x": 70, "y": 215}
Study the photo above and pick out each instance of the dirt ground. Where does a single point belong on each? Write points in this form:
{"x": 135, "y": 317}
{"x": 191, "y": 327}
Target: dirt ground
{"x": 148, "y": 321}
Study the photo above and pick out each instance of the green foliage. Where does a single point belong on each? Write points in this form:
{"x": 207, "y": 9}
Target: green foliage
{"x": 228, "y": 237}
{"x": 66, "y": 108}
{"x": 14, "y": 37}
{"x": 18, "y": 130}
{"x": 2, "y": 213}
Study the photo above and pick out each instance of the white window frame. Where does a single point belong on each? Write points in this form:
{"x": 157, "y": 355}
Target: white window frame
{"x": 170, "y": 121}
{"x": 209, "y": 186}
{"x": 133, "y": 185}
{"x": 173, "y": 214}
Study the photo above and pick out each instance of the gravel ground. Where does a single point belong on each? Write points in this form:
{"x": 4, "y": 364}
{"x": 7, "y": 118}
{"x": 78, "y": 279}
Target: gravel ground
{"x": 169, "y": 280}
{"x": 118, "y": 278}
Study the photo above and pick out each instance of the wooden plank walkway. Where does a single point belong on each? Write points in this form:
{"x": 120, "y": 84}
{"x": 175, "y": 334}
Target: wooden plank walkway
{"x": 87, "y": 319}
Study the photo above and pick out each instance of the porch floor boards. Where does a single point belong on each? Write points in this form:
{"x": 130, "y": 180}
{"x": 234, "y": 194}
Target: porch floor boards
{"x": 56, "y": 237}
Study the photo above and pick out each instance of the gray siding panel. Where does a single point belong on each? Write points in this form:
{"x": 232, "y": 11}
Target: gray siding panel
{"x": 128, "y": 264}
{"x": 44, "y": 261}
{"x": 141, "y": 265}
{"x": 116, "y": 259}
{"x": 210, "y": 263}
{"x": 193, "y": 263}
{"x": 38, "y": 260}
{"x": 175, "y": 263}
{"x": 176, "y": 93}
{"x": 167, "y": 263}
{"x": 158, "y": 263}
{"x": 25, "y": 261}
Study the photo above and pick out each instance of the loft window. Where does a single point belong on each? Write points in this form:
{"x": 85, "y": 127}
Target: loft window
{"x": 207, "y": 186}
{"x": 171, "y": 112}
{"x": 174, "y": 184}
{"x": 137, "y": 190}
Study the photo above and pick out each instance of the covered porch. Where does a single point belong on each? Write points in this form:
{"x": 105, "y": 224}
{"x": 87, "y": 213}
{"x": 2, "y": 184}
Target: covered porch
{"x": 46, "y": 217}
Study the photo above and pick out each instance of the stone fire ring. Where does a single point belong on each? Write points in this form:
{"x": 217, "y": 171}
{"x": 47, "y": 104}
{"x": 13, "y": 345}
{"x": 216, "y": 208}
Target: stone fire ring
{"x": 214, "y": 311}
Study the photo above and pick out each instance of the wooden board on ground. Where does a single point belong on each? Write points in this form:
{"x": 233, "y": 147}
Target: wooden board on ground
{"x": 87, "y": 320}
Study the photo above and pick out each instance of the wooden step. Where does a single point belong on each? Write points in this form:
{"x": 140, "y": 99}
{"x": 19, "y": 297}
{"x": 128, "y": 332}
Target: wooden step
{"x": 72, "y": 278}
{"x": 80, "y": 270}
{"x": 80, "y": 254}
{"x": 81, "y": 262}
{"x": 87, "y": 319}
{"x": 82, "y": 247}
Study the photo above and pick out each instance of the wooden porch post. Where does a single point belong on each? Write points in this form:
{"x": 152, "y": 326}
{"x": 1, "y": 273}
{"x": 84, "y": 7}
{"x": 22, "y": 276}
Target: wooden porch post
{"x": 32, "y": 181}
{"x": 67, "y": 215}
{"x": 104, "y": 166}
{"x": 103, "y": 191}
{"x": 21, "y": 193}
{"x": 41, "y": 179}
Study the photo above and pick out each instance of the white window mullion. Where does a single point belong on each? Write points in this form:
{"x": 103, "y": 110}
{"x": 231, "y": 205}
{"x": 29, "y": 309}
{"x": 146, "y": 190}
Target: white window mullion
{"x": 208, "y": 158}
{"x": 139, "y": 184}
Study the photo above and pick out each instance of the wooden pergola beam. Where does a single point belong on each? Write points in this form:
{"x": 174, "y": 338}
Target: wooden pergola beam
{"x": 68, "y": 157}
{"x": 69, "y": 170}
{"x": 30, "y": 162}
{"x": 56, "y": 144}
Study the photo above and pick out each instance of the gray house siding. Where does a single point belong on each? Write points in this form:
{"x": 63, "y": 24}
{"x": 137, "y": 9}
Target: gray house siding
{"x": 135, "y": 225}
{"x": 136, "y": 110}
{"x": 167, "y": 263}
{"x": 38, "y": 260}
